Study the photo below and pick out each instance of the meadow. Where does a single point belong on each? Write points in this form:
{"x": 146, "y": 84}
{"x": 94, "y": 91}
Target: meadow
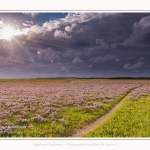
{"x": 132, "y": 119}
{"x": 58, "y": 108}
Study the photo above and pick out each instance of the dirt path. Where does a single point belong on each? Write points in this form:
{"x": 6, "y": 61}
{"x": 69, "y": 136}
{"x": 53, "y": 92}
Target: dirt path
{"x": 91, "y": 126}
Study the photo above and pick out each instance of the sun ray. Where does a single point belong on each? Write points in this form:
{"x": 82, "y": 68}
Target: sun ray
{"x": 31, "y": 56}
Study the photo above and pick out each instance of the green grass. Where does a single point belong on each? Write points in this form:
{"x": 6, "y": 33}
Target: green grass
{"x": 132, "y": 119}
{"x": 44, "y": 80}
{"x": 75, "y": 119}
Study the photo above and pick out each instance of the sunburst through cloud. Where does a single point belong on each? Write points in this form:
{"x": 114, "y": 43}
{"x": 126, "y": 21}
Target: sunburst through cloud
{"x": 7, "y": 32}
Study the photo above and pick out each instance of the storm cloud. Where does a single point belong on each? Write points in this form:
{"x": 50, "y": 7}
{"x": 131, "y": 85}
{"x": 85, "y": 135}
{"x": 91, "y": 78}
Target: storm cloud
{"x": 76, "y": 44}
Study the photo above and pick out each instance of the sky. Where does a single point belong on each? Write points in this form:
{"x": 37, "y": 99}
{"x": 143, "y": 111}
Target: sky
{"x": 86, "y": 44}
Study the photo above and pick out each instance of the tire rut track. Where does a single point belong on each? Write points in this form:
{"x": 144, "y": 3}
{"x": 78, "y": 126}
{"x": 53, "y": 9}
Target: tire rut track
{"x": 103, "y": 118}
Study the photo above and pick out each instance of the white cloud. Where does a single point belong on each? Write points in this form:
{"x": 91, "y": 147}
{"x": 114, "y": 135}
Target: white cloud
{"x": 34, "y": 29}
{"x": 135, "y": 66}
{"x": 70, "y": 28}
{"x": 61, "y": 34}
{"x": 73, "y": 19}
{"x": 52, "y": 24}
{"x": 83, "y": 17}
{"x": 32, "y": 14}
{"x": 30, "y": 22}
{"x": 26, "y": 25}
{"x": 1, "y": 22}
{"x": 77, "y": 61}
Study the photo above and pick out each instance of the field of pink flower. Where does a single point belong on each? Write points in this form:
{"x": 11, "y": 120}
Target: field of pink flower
{"x": 55, "y": 109}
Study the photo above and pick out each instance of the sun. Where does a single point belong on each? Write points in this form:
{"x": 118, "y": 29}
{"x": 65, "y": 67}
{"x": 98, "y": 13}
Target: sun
{"x": 7, "y": 33}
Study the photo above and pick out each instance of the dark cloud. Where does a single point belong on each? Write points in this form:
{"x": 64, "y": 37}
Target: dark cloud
{"x": 141, "y": 32}
{"x": 49, "y": 54}
{"x": 100, "y": 59}
{"x": 78, "y": 44}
